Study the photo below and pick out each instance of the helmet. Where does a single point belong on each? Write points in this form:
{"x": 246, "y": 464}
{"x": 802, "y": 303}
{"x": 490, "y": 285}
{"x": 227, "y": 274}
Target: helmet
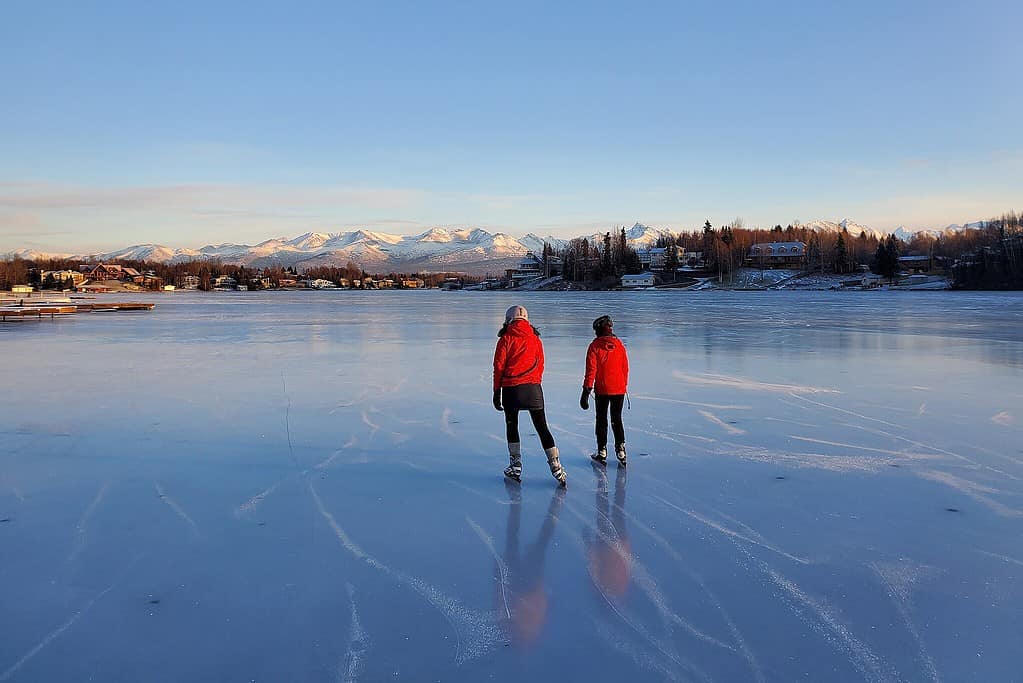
{"x": 516, "y": 313}
{"x": 602, "y": 322}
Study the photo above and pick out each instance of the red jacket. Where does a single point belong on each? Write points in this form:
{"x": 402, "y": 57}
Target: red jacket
{"x": 518, "y": 358}
{"x": 607, "y": 366}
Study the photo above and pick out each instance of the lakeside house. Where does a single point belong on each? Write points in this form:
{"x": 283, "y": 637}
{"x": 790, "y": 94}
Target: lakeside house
{"x": 532, "y": 267}
{"x": 112, "y": 271}
{"x": 644, "y": 279}
{"x": 774, "y": 254}
{"x": 62, "y": 276}
{"x": 656, "y": 258}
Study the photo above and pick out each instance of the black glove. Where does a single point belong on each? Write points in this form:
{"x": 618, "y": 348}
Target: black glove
{"x": 584, "y": 399}
{"x": 497, "y": 400}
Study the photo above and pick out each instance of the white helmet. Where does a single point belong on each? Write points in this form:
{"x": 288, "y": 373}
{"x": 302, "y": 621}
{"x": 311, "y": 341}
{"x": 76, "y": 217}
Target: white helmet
{"x": 516, "y": 313}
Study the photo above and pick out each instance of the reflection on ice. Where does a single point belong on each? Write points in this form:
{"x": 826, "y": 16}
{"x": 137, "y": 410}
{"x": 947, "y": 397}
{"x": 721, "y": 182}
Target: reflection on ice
{"x": 309, "y": 486}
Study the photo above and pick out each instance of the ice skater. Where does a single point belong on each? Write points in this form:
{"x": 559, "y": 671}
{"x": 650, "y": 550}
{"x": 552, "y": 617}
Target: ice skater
{"x": 607, "y": 371}
{"x": 518, "y": 371}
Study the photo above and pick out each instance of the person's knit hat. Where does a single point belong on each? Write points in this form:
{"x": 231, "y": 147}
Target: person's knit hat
{"x": 516, "y": 313}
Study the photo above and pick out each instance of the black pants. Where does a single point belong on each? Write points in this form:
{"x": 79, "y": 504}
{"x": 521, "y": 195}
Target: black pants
{"x": 539, "y": 417}
{"x": 615, "y": 403}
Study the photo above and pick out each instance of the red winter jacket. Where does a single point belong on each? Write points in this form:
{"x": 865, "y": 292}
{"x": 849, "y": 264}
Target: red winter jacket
{"x": 607, "y": 366}
{"x": 518, "y": 358}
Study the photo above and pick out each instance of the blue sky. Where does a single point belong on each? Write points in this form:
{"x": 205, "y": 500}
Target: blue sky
{"x": 187, "y": 124}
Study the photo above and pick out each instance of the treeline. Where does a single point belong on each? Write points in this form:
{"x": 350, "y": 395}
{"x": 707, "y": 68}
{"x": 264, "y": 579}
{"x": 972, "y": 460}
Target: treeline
{"x": 598, "y": 264}
{"x": 993, "y": 257}
{"x": 18, "y": 271}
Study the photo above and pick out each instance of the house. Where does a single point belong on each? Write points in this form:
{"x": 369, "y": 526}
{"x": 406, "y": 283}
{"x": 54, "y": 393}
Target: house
{"x": 320, "y": 283}
{"x": 532, "y": 266}
{"x": 657, "y": 257}
{"x": 103, "y": 271}
{"x": 915, "y": 264}
{"x": 225, "y": 282}
{"x": 413, "y": 283}
{"x": 644, "y": 279}
{"x": 21, "y": 289}
{"x": 189, "y": 282}
{"x": 772, "y": 254}
{"x": 62, "y": 276}
{"x": 287, "y": 282}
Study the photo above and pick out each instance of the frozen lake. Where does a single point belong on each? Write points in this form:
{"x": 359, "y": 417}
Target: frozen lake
{"x": 307, "y": 486}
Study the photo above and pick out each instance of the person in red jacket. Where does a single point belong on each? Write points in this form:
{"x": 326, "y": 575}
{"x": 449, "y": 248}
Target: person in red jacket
{"x": 518, "y": 371}
{"x": 607, "y": 371}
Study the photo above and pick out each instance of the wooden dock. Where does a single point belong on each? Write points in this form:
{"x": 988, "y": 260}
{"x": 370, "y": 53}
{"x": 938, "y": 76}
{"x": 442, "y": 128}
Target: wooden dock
{"x": 39, "y": 312}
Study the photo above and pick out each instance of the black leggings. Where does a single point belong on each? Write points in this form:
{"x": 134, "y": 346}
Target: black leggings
{"x": 601, "y": 404}
{"x": 511, "y": 423}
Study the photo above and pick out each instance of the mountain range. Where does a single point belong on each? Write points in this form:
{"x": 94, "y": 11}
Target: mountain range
{"x": 469, "y": 250}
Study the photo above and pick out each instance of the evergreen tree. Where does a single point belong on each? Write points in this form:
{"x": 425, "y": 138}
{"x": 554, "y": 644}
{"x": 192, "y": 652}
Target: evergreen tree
{"x": 606, "y": 263}
{"x": 841, "y": 255}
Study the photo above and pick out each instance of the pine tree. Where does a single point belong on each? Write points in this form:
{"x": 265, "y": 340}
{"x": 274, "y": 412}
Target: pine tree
{"x": 841, "y": 255}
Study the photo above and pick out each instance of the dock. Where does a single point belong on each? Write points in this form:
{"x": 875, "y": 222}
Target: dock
{"x": 37, "y": 311}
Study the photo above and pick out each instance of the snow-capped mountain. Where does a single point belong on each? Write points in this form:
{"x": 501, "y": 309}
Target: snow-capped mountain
{"x": 437, "y": 248}
{"x": 852, "y": 227}
{"x": 639, "y": 236}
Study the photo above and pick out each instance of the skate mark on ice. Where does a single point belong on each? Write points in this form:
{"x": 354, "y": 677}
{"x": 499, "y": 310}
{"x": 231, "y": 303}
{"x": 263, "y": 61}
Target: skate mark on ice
{"x": 884, "y": 451}
{"x": 714, "y": 419}
{"x": 937, "y": 449}
{"x": 674, "y": 438}
{"x": 81, "y": 529}
{"x": 743, "y": 647}
{"x": 249, "y": 506}
{"x": 971, "y": 489}
{"x": 663, "y": 646}
{"x": 178, "y": 510}
{"x": 792, "y": 422}
{"x": 643, "y": 579}
{"x": 1003, "y": 558}
{"x": 476, "y": 492}
{"x": 732, "y": 533}
{"x": 353, "y": 662}
{"x": 642, "y": 659}
{"x": 820, "y": 461}
{"x": 501, "y": 566}
{"x": 843, "y": 410}
{"x": 1003, "y": 418}
{"x": 712, "y": 406}
{"x": 823, "y": 618}
{"x": 899, "y": 579}
{"x": 445, "y": 422}
{"x": 340, "y": 406}
{"x": 334, "y": 456}
{"x": 68, "y": 623}
{"x": 749, "y": 384}
{"x": 921, "y": 410}
{"x": 373, "y": 427}
{"x": 476, "y": 632}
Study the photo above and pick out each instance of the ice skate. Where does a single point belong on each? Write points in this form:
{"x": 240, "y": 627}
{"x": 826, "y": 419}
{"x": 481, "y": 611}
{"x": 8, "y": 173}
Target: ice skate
{"x": 620, "y": 454}
{"x": 514, "y": 469}
{"x": 600, "y": 457}
{"x": 555, "y": 464}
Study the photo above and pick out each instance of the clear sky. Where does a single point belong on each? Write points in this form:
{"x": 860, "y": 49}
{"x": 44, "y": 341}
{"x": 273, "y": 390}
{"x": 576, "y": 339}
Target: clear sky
{"x": 193, "y": 123}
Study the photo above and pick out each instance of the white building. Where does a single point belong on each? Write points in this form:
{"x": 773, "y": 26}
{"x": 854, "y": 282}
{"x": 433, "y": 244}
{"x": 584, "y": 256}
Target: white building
{"x": 645, "y": 279}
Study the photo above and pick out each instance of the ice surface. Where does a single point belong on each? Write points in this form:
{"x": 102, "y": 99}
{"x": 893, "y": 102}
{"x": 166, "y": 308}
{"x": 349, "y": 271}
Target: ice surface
{"x": 822, "y": 486}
